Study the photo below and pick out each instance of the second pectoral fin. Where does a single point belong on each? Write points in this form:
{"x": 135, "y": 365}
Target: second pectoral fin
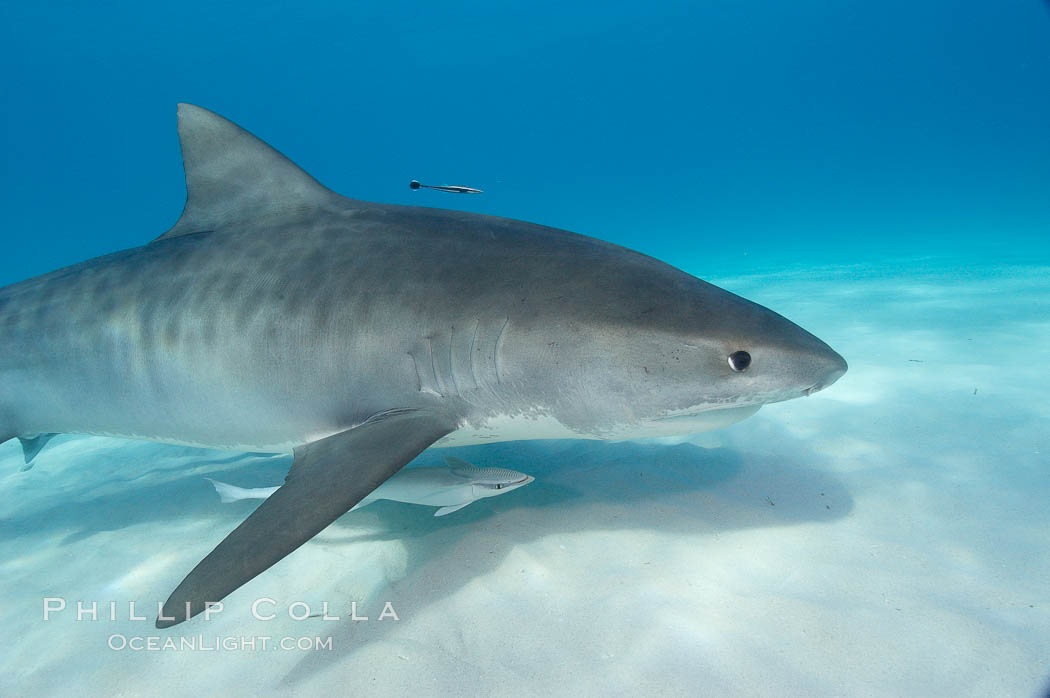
{"x": 328, "y": 477}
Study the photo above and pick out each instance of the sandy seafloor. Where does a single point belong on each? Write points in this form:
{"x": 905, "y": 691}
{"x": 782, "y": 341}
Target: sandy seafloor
{"x": 889, "y": 536}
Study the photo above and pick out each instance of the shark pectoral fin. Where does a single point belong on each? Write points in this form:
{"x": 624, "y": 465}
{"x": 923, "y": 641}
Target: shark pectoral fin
{"x": 448, "y": 510}
{"x": 32, "y": 445}
{"x": 327, "y": 478}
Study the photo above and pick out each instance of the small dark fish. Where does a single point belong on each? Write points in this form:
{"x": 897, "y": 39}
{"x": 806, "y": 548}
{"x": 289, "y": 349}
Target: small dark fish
{"x": 454, "y": 188}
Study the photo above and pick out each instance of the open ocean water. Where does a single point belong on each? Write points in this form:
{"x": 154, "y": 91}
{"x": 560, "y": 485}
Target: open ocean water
{"x": 876, "y": 172}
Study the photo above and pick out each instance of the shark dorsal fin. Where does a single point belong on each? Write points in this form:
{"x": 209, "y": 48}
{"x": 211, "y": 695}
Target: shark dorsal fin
{"x": 232, "y": 176}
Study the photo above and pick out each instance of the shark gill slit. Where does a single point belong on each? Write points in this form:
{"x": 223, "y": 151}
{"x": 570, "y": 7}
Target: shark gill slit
{"x": 434, "y": 367}
{"x": 438, "y": 383}
{"x": 470, "y": 358}
{"x": 496, "y": 351}
{"x": 451, "y": 363}
{"x": 415, "y": 367}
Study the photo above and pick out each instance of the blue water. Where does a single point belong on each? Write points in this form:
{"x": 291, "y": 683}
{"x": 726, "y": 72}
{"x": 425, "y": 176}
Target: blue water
{"x": 878, "y": 172}
{"x": 693, "y": 131}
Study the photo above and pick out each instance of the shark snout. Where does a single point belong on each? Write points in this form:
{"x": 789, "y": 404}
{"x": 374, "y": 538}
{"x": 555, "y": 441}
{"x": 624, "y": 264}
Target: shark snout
{"x": 833, "y": 367}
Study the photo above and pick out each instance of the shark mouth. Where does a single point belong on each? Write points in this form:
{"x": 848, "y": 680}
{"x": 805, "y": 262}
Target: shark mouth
{"x": 715, "y": 411}
{"x": 525, "y": 479}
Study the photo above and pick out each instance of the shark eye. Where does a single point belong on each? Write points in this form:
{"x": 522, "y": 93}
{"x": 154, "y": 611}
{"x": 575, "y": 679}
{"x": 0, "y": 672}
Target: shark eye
{"x": 739, "y": 361}
{"x": 499, "y": 487}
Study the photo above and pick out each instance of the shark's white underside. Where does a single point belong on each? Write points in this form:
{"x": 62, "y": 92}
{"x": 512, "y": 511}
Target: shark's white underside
{"x": 524, "y": 428}
{"x": 505, "y": 427}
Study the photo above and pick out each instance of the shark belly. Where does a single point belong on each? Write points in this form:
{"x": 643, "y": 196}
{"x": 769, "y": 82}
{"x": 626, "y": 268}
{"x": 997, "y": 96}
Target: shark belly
{"x": 529, "y": 427}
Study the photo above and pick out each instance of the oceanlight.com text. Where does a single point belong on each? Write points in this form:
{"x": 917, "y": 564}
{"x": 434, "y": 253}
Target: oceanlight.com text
{"x": 215, "y": 643}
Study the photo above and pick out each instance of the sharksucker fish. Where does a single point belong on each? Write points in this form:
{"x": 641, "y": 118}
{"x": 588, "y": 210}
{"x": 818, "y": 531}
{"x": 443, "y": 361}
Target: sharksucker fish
{"x": 450, "y": 188}
{"x": 450, "y": 488}
{"x": 279, "y": 316}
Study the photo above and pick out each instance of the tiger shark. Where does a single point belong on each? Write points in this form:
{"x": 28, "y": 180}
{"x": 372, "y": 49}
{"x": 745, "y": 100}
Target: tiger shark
{"x": 277, "y": 316}
{"x": 450, "y": 488}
